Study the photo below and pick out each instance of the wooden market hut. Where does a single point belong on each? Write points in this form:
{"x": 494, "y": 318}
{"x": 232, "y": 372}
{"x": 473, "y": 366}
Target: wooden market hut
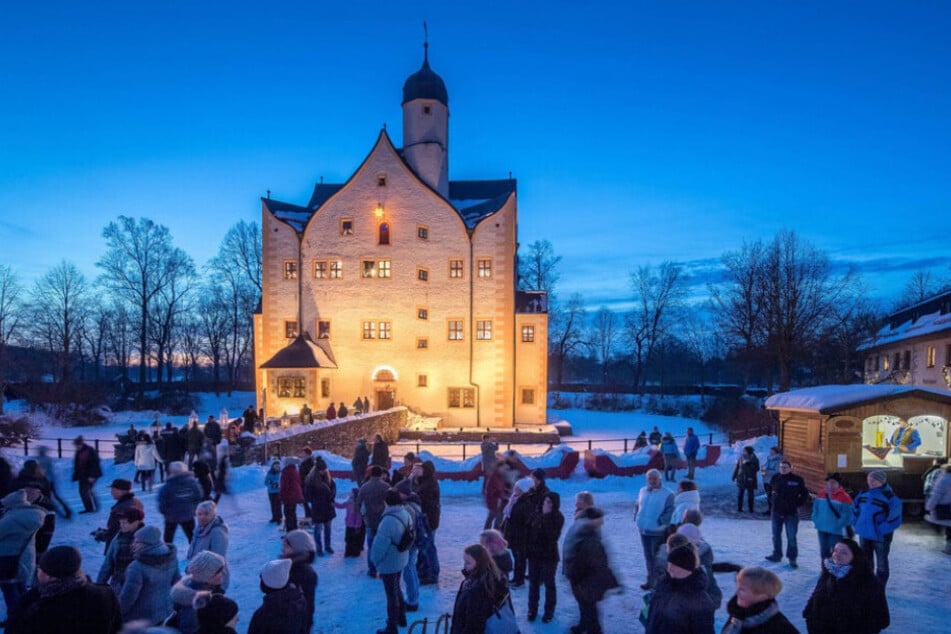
{"x": 846, "y": 429}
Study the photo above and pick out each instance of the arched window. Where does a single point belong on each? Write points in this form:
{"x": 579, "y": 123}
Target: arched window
{"x": 384, "y": 233}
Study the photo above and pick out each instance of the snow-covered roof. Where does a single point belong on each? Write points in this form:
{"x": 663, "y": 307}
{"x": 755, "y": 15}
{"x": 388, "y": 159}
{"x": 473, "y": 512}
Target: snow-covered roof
{"x": 825, "y": 398}
{"x": 925, "y": 318}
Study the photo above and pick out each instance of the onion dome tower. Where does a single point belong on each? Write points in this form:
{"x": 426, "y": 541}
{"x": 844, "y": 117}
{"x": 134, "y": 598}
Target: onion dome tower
{"x": 426, "y": 126}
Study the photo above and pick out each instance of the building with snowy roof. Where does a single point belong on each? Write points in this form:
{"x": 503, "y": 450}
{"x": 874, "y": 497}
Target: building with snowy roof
{"x": 913, "y": 346}
{"x": 401, "y": 285}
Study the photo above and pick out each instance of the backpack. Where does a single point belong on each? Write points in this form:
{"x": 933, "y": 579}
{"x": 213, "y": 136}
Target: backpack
{"x": 408, "y": 538}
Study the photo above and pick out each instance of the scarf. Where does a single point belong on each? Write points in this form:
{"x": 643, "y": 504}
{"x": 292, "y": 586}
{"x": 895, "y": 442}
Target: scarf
{"x": 55, "y": 586}
{"x": 734, "y": 624}
{"x": 837, "y": 570}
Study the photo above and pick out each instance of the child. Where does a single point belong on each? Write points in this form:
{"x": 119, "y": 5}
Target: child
{"x": 355, "y": 532}
{"x": 493, "y": 542}
{"x": 273, "y": 483}
{"x": 754, "y": 608}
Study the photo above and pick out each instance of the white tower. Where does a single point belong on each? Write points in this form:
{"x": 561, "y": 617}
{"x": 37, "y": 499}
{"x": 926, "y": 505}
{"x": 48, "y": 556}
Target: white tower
{"x": 426, "y": 126}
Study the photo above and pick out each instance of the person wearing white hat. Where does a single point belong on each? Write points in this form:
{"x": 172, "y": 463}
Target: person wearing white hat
{"x": 518, "y": 514}
{"x": 284, "y": 608}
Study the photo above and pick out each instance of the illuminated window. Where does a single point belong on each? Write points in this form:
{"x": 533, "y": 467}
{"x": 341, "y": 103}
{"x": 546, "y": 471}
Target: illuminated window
{"x": 383, "y": 269}
{"x": 336, "y": 270}
{"x": 291, "y": 387}
{"x": 484, "y": 330}
{"x": 932, "y": 354}
{"x": 461, "y": 397}
{"x": 485, "y": 267}
{"x": 290, "y": 329}
{"x": 346, "y": 226}
{"x": 455, "y": 269}
{"x": 385, "y": 329}
{"x": 323, "y": 330}
{"x": 422, "y": 380}
{"x": 320, "y": 270}
{"x": 290, "y": 270}
{"x": 528, "y": 396}
{"x": 369, "y": 268}
{"x": 385, "y": 233}
{"x": 422, "y": 275}
{"x": 528, "y": 333}
{"x": 455, "y": 330}
{"x": 369, "y": 330}
{"x": 422, "y": 343}
{"x": 422, "y": 232}
{"x": 886, "y": 363}
{"x": 422, "y": 313}
{"x": 325, "y": 388}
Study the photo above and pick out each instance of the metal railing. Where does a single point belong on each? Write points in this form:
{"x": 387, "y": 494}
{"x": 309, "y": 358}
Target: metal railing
{"x": 439, "y": 625}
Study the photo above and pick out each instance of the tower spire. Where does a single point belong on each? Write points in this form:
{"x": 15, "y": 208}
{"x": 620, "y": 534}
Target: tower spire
{"x": 425, "y": 44}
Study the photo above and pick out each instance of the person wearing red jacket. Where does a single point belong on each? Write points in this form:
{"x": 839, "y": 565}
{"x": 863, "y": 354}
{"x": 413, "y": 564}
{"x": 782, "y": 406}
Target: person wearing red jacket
{"x": 292, "y": 492}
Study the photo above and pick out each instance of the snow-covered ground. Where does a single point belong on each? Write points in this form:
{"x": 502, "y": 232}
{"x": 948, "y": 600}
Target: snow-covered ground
{"x": 350, "y": 601}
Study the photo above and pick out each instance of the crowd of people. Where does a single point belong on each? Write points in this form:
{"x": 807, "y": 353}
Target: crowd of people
{"x": 395, "y": 516}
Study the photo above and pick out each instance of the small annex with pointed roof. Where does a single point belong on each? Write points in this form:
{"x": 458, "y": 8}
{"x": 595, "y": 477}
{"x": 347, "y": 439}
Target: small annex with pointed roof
{"x": 403, "y": 269}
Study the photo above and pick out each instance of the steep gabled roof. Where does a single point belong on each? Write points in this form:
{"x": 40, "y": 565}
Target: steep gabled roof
{"x": 294, "y": 215}
{"x": 477, "y": 200}
{"x": 301, "y": 353}
{"x": 830, "y": 398}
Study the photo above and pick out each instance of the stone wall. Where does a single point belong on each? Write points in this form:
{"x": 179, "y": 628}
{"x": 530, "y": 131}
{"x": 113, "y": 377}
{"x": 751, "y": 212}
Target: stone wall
{"x": 339, "y": 438}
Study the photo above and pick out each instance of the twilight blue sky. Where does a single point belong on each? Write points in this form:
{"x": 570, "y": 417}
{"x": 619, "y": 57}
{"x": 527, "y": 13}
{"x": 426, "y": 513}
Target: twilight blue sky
{"x": 638, "y": 131}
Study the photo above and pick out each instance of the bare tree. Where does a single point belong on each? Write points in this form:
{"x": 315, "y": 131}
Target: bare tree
{"x": 604, "y": 336}
{"x": 701, "y": 339}
{"x": 95, "y": 335}
{"x": 921, "y": 286}
{"x": 740, "y": 303}
{"x": 58, "y": 305}
{"x": 119, "y": 337}
{"x": 214, "y": 314}
{"x": 566, "y": 332}
{"x": 139, "y": 263}
{"x": 240, "y": 254}
{"x": 166, "y": 309}
{"x": 656, "y": 296}
{"x": 11, "y": 310}
{"x": 537, "y": 269}
{"x": 192, "y": 345}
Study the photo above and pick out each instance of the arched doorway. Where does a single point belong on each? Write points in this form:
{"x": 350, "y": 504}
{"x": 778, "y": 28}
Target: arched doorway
{"x": 384, "y": 389}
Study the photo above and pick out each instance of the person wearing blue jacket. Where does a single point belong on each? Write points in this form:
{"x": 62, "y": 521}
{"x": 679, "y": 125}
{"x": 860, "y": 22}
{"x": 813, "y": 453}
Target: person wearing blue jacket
{"x": 831, "y": 514}
{"x": 272, "y": 481}
{"x": 877, "y": 517}
{"x": 668, "y": 448}
{"x": 691, "y": 448}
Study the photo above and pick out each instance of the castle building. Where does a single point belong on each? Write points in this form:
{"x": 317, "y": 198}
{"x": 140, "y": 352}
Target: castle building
{"x": 399, "y": 285}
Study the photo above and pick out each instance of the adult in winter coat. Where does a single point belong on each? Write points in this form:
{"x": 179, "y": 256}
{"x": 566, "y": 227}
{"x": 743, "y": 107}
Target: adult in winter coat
{"x": 321, "y": 491}
{"x": 174, "y": 450}
{"x": 217, "y": 614}
{"x": 177, "y": 500}
{"x": 691, "y": 449}
{"x": 679, "y": 603}
{"x": 586, "y": 566}
{"x": 686, "y": 498}
{"x": 119, "y": 551}
{"x": 213, "y": 430}
{"x": 86, "y": 470}
{"x": 789, "y": 493}
{"x": 544, "y": 532}
{"x": 753, "y": 609}
{"x": 283, "y": 610}
{"x": 355, "y": 531}
{"x": 426, "y": 487}
{"x": 20, "y": 521}
{"x": 771, "y": 469}
{"x": 498, "y": 491}
{"x": 211, "y": 533}
{"x": 360, "y": 460}
{"x": 482, "y": 591}
{"x": 583, "y": 501}
{"x": 518, "y": 517}
{"x": 146, "y": 459}
{"x": 668, "y": 449}
{"x": 940, "y": 494}
{"x": 655, "y": 437}
{"x": 292, "y": 491}
{"x": 299, "y": 547}
{"x": 371, "y": 504}
{"x": 202, "y": 471}
{"x": 149, "y": 578}
{"x": 342, "y": 410}
{"x": 691, "y": 533}
{"x": 64, "y": 601}
{"x": 272, "y": 483}
{"x": 380, "y": 454}
{"x": 121, "y": 492}
{"x": 32, "y": 476}
{"x": 388, "y": 560}
{"x": 203, "y": 573}
{"x": 194, "y": 439}
{"x": 877, "y": 517}
{"x": 410, "y": 574}
{"x": 331, "y": 412}
{"x": 745, "y": 476}
{"x": 848, "y": 599}
{"x": 831, "y": 514}
{"x": 652, "y": 513}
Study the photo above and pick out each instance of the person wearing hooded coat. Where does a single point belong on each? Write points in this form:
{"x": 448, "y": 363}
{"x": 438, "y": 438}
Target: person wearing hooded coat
{"x": 299, "y": 547}
{"x": 211, "y": 533}
{"x": 518, "y": 515}
{"x": 586, "y": 566}
{"x": 204, "y": 572}
{"x": 848, "y": 598}
{"x": 426, "y": 487}
{"x": 360, "y": 460}
{"x": 543, "y": 556}
{"x": 20, "y": 521}
{"x": 320, "y": 491}
{"x": 292, "y": 491}
{"x": 679, "y": 603}
{"x": 380, "y": 454}
{"x": 149, "y": 578}
{"x": 119, "y": 552}
{"x": 283, "y": 610}
{"x": 940, "y": 494}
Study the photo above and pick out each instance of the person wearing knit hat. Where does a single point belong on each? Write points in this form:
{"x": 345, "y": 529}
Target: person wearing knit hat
{"x": 153, "y": 571}
{"x": 121, "y": 491}
{"x": 119, "y": 551}
{"x": 63, "y": 595}
{"x": 878, "y": 514}
{"x": 679, "y": 602}
{"x": 518, "y": 514}
{"x": 206, "y": 567}
{"x": 300, "y": 549}
{"x": 283, "y": 603}
{"x": 203, "y": 572}
{"x": 217, "y": 614}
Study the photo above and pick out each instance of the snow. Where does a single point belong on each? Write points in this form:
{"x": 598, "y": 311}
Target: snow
{"x": 827, "y": 397}
{"x": 931, "y": 323}
{"x": 350, "y": 601}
